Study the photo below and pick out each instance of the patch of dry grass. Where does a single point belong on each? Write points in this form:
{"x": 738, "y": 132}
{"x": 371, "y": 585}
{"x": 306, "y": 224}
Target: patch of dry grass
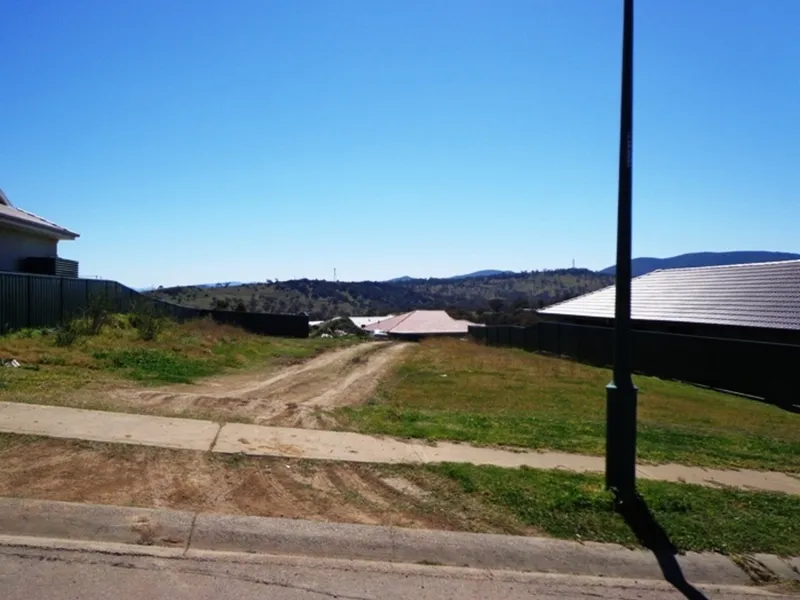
{"x": 116, "y": 356}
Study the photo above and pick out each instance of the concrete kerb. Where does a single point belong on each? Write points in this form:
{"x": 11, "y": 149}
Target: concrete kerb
{"x": 99, "y": 523}
{"x": 447, "y": 548}
{"x": 182, "y": 533}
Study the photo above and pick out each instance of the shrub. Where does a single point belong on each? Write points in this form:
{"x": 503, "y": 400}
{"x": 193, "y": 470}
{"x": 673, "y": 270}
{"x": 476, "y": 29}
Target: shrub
{"x": 147, "y": 321}
{"x": 97, "y": 315}
{"x": 68, "y": 333}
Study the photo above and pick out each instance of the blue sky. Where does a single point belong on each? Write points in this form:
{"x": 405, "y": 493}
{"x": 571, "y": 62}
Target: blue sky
{"x": 197, "y": 141}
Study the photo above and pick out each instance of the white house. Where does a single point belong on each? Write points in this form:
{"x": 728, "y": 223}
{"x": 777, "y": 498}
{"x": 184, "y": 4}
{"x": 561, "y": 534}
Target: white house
{"x": 29, "y": 243}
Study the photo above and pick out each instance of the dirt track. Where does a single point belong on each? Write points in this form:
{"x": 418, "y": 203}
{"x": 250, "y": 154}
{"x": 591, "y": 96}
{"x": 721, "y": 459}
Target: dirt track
{"x": 71, "y": 471}
{"x": 298, "y": 396}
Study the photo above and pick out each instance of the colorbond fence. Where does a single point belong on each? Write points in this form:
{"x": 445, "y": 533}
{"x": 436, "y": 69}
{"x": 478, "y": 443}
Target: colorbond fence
{"x": 761, "y": 369}
{"x": 45, "y": 301}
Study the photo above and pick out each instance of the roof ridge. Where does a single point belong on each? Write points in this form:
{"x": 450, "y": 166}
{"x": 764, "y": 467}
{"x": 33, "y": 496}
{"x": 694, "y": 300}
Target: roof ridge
{"x": 405, "y": 316}
{"x": 747, "y": 264}
{"x": 597, "y": 291}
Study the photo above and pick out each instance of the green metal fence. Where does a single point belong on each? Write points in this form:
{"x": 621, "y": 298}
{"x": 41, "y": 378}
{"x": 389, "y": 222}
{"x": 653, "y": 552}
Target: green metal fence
{"x": 47, "y": 301}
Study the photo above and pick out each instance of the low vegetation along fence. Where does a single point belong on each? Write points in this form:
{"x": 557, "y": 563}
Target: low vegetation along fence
{"x": 45, "y": 301}
{"x": 764, "y": 370}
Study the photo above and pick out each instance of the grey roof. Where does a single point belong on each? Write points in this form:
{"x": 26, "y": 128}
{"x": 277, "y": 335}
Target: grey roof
{"x": 750, "y": 295}
{"x": 16, "y": 216}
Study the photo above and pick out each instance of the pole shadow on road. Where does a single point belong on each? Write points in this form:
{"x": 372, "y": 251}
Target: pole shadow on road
{"x": 652, "y": 536}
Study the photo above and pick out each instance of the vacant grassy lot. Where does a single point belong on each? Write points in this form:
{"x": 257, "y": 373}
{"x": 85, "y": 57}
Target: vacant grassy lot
{"x": 451, "y": 497}
{"x": 450, "y": 389}
{"x": 180, "y": 353}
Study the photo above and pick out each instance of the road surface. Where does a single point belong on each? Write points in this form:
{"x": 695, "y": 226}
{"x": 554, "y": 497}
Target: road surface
{"x": 42, "y": 574}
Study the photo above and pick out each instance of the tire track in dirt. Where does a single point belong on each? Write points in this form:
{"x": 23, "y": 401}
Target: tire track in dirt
{"x": 52, "y": 469}
{"x": 298, "y": 396}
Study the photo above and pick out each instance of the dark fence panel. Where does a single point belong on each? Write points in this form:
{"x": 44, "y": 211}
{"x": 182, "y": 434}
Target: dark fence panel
{"x": 478, "y": 333}
{"x": 761, "y": 369}
{"x": 74, "y": 297}
{"x": 13, "y": 303}
{"x": 47, "y": 301}
{"x": 517, "y": 337}
{"x": 548, "y": 337}
{"x": 44, "y": 301}
{"x": 264, "y": 323}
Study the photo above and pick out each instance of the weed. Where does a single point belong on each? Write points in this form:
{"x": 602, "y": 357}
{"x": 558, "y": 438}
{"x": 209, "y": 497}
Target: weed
{"x": 47, "y": 359}
{"x": 155, "y": 365}
{"x": 97, "y": 315}
{"x": 147, "y": 321}
{"x": 235, "y": 460}
{"x": 67, "y": 334}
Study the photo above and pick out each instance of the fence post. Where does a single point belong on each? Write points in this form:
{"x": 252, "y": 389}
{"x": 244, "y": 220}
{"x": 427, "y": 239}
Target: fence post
{"x": 28, "y": 303}
{"x": 62, "y": 316}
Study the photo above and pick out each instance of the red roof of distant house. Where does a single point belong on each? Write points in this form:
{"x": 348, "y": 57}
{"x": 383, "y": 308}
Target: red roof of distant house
{"x": 421, "y": 322}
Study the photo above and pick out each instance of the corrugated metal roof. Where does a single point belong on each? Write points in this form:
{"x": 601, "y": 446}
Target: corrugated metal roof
{"x": 421, "y": 322}
{"x": 750, "y": 295}
{"x": 12, "y": 214}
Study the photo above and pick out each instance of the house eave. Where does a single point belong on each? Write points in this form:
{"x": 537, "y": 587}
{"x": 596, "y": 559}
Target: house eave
{"x": 56, "y": 233}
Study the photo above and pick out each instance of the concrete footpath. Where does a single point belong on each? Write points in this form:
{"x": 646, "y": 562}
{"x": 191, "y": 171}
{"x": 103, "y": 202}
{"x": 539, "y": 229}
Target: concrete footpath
{"x": 180, "y": 534}
{"x": 256, "y": 440}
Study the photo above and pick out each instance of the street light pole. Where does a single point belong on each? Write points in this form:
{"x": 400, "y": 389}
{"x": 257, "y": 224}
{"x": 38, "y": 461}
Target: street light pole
{"x": 621, "y": 393}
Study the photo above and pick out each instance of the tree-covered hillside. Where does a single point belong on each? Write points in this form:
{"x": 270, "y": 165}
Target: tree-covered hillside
{"x": 326, "y": 299}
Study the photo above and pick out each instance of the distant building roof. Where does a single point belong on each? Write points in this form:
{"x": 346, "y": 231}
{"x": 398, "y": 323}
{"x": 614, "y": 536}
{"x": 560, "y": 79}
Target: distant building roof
{"x": 22, "y": 218}
{"x": 749, "y": 295}
{"x": 421, "y": 322}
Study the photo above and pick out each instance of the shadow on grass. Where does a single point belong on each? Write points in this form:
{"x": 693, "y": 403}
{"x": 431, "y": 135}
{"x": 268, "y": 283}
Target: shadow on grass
{"x": 653, "y": 537}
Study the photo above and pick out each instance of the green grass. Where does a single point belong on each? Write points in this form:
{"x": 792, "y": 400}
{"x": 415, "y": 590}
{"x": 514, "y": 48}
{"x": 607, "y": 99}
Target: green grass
{"x": 575, "y": 506}
{"x": 453, "y": 390}
{"x": 153, "y": 365}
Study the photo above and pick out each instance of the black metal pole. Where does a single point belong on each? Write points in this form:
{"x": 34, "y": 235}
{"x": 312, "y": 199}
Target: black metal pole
{"x": 621, "y": 393}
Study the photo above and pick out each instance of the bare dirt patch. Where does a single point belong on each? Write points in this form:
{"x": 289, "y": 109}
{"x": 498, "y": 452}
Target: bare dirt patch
{"x": 297, "y": 396}
{"x": 123, "y": 475}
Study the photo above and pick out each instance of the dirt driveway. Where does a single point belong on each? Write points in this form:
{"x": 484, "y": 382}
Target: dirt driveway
{"x": 297, "y": 396}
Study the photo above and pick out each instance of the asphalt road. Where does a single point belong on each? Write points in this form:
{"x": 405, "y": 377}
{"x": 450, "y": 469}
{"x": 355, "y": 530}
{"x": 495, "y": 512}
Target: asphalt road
{"x": 41, "y": 574}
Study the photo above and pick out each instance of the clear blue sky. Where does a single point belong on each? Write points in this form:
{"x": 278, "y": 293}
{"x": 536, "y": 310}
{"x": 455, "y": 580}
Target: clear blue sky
{"x": 197, "y": 141}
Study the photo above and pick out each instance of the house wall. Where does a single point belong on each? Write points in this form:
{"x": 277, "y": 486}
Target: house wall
{"x": 16, "y": 245}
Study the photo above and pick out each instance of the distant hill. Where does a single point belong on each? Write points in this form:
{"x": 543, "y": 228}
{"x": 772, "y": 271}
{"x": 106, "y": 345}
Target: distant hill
{"x": 641, "y": 266}
{"x": 327, "y": 299}
{"x": 484, "y": 273}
